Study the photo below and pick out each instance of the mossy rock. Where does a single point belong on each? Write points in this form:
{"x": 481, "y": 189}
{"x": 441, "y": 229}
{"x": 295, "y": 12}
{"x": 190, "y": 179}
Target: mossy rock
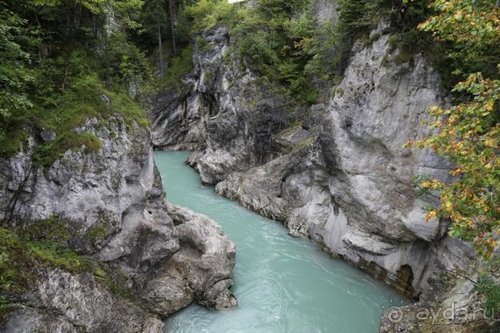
{"x": 99, "y": 233}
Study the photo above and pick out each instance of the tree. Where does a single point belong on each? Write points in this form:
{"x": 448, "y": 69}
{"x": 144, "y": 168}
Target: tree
{"x": 15, "y": 76}
{"x": 171, "y": 15}
{"x": 469, "y": 133}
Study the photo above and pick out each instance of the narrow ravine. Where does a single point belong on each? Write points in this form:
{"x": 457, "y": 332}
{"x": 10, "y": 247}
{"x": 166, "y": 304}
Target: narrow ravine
{"x": 282, "y": 284}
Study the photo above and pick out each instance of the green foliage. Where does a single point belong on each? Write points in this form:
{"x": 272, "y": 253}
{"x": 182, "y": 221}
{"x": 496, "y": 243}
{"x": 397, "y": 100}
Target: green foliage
{"x": 15, "y": 77}
{"x": 178, "y": 68}
{"x": 281, "y": 41}
{"x": 124, "y": 9}
{"x": 19, "y": 258}
{"x": 471, "y": 29}
{"x": 56, "y": 256}
{"x": 122, "y": 61}
{"x": 487, "y": 287}
{"x": 468, "y": 132}
{"x": 97, "y": 232}
{"x": 333, "y": 41}
{"x": 207, "y": 14}
{"x": 46, "y": 154}
{"x": 13, "y": 269}
{"x": 273, "y": 37}
{"x": 58, "y": 83}
{"x": 469, "y": 136}
{"x": 53, "y": 229}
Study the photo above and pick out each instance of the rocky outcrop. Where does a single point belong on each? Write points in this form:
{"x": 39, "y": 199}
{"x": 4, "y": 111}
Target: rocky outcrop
{"x": 224, "y": 111}
{"x": 450, "y": 304}
{"x": 200, "y": 270}
{"x": 65, "y": 302}
{"x": 342, "y": 175}
{"x": 112, "y": 206}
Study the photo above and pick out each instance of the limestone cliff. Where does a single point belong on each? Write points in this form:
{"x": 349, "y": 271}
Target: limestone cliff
{"x": 340, "y": 175}
{"x": 147, "y": 258}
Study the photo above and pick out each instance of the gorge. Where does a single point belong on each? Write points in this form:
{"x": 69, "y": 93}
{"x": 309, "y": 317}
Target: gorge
{"x": 282, "y": 284}
{"x": 334, "y": 121}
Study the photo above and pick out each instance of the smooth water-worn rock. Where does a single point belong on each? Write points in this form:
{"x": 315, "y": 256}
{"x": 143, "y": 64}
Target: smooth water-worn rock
{"x": 112, "y": 204}
{"x": 283, "y": 284}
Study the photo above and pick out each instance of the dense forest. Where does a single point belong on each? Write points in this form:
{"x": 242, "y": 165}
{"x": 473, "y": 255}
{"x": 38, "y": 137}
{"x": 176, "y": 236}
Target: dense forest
{"x": 65, "y": 61}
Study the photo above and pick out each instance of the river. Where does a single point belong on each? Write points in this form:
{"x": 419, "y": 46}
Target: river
{"x": 283, "y": 284}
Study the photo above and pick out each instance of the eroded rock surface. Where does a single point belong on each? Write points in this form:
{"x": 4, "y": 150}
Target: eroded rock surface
{"x": 112, "y": 204}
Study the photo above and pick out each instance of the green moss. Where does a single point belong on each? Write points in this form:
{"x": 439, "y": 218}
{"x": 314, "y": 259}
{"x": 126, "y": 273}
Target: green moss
{"x": 46, "y": 154}
{"x": 15, "y": 263}
{"x": 100, "y": 230}
{"x": 53, "y": 229}
{"x": 14, "y": 140}
{"x": 22, "y": 256}
{"x": 115, "y": 281}
{"x": 207, "y": 14}
{"x": 179, "y": 66}
{"x": 19, "y": 258}
{"x": 53, "y": 255}
{"x": 85, "y": 96}
{"x": 209, "y": 76}
{"x": 303, "y": 144}
{"x": 6, "y": 308}
{"x": 97, "y": 233}
{"x": 122, "y": 104}
{"x": 202, "y": 44}
{"x": 488, "y": 288}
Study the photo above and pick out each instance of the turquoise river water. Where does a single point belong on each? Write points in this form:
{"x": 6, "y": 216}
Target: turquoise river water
{"x": 283, "y": 284}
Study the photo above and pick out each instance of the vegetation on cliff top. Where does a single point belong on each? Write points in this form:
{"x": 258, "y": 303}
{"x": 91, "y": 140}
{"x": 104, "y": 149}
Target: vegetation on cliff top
{"x": 62, "y": 63}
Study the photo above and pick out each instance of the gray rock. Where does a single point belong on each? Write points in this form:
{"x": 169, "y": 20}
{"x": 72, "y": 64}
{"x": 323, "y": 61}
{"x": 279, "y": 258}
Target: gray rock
{"x": 215, "y": 111}
{"x": 451, "y": 304}
{"x": 48, "y": 136}
{"x": 113, "y": 205}
{"x": 65, "y": 302}
{"x": 201, "y": 270}
{"x": 31, "y": 320}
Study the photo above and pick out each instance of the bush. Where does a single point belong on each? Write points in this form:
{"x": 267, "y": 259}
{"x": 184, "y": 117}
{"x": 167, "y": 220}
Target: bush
{"x": 56, "y": 84}
{"x": 179, "y": 66}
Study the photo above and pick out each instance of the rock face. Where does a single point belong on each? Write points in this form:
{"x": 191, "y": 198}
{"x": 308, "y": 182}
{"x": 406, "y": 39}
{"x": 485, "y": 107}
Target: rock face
{"x": 341, "y": 176}
{"x": 113, "y": 205}
{"x": 82, "y": 305}
{"x": 347, "y": 180}
{"x": 217, "y": 112}
{"x": 450, "y": 304}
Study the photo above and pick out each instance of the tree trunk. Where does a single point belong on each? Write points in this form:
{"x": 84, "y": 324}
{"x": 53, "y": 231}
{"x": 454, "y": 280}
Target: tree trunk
{"x": 171, "y": 12}
{"x": 160, "y": 52}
